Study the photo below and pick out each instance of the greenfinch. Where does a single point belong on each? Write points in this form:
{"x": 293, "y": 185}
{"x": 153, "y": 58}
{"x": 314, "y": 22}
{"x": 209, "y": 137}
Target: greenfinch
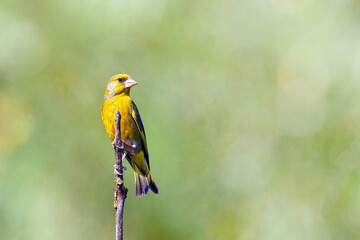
{"x": 133, "y": 138}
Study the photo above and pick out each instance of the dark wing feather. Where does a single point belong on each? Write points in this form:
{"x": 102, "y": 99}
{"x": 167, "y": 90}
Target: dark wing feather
{"x": 140, "y": 128}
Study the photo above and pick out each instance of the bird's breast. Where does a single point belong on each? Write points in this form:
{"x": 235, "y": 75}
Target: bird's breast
{"x": 128, "y": 127}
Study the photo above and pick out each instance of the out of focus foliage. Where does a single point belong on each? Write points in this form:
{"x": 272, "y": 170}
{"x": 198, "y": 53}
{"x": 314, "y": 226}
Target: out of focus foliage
{"x": 251, "y": 110}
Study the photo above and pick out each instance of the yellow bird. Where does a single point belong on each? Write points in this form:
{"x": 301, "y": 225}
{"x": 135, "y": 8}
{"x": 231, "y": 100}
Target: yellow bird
{"x": 132, "y": 130}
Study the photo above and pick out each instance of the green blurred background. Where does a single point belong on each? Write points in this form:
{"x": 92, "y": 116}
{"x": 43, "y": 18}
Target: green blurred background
{"x": 251, "y": 110}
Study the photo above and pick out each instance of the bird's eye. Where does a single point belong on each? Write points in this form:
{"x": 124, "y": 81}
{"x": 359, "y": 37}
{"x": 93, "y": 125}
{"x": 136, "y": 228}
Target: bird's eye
{"x": 120, "y": 79}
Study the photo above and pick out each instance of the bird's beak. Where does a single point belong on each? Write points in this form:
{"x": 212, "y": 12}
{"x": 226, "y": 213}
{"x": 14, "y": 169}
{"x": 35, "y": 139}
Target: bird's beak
{"x": 130, "y": 83}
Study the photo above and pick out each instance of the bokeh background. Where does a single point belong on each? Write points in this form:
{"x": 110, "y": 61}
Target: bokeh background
{"x": 251, "y": 110}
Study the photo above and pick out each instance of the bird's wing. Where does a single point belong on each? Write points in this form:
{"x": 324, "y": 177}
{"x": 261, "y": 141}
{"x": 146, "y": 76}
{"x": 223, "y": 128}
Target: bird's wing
{"x": 140, "y": 129}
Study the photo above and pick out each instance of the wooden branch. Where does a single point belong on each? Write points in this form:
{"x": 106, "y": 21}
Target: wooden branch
{"x": 120, "y": 190}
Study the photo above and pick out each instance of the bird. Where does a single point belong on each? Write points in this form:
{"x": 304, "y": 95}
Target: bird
{"x": 133, "y": 138}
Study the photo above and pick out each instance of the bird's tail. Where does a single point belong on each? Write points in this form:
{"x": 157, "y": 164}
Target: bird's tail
{"x": 143, "y": 184}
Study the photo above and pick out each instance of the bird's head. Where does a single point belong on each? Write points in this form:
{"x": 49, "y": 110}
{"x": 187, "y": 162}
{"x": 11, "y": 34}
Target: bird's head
{"x": 119, "y": 84}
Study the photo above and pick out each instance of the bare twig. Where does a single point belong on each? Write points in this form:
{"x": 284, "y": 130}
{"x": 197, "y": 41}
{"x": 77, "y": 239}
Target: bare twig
{"x": 120, "y": 190}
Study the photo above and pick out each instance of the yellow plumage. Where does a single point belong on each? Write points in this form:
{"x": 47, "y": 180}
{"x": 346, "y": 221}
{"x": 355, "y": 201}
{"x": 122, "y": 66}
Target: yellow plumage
{"x": 132, "y": 130}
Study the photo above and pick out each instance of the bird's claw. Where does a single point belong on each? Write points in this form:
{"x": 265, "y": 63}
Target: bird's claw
{"x": 116, "y": 172}
{"x": 130, "y": 148}
{"x": 114, "y": 144}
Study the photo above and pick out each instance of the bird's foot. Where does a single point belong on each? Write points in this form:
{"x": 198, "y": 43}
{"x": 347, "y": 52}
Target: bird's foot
{"x": 114, "y": 144}
{"x": 117, "y": 173}
{"x": 129, "y": 148}
{"x": 122, "y": 159}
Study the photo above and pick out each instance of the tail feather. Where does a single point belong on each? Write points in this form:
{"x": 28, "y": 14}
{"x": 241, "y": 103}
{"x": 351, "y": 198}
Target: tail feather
{"x": 153, "y": 186}
{"x": 143, "y": 184}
